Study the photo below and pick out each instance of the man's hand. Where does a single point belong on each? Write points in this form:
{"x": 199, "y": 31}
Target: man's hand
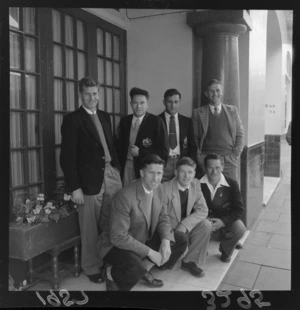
{"x": 165, "y": 250}
{"x": 134, "y": 151}
{"x": 155, "y": 257}
{"x": 181, "y": 228}
{"x": 216, "y": 224}
{"x": 77, "y": 196}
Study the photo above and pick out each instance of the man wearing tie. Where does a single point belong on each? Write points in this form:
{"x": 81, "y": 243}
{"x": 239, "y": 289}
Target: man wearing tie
{"x": 187, "y": 210}
{"x": 218, "y": 129}
{"x": 139, "y": 134}
{"x": 91, "y": 169}
{"x": 180, "y": 133}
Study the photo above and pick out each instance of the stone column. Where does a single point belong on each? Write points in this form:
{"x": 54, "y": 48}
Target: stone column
{"x": 216, "y": 33}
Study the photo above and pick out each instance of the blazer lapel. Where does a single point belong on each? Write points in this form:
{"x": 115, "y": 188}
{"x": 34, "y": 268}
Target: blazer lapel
{"x": 231, "y": 122}
{"x": 140, "y": 197}
{"x": 176, "y": 200}
{"x": 191, "y": 198}
{"x": 156, "y": 209}
{"x": 106, "y": 130}
{"x": 204, "y": 115}
{"x": 87, "y": 122}
{"x": 181, "y": 132}
{"x": 142, "y": 126}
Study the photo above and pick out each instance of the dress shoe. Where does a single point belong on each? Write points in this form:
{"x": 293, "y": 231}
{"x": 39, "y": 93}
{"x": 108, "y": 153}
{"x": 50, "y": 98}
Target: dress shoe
{"x": 239, "y": 246}
{"x": 96, "y": 278}
{"x": 150, "y": 281}
{"x": 193, "y": 269}
{"x": 224, "y": 257}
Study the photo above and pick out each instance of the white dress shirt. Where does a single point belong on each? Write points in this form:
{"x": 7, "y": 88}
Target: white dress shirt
{"x": 213, "y": 190}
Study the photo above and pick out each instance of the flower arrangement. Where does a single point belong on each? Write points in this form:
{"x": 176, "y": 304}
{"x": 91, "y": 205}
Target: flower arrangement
{"x": 37, "y": 209}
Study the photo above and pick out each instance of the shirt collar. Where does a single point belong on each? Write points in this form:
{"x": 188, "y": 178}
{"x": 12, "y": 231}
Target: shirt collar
{"x": 146, "y": 190}
{"x": 89, "y": 111}
{"x": 182, "y": 188}
{"x": 134, "y": 118}
{"x": 212, "y": 107}
{"x": 167, "y": 115}
{"x": 222, "y": 181}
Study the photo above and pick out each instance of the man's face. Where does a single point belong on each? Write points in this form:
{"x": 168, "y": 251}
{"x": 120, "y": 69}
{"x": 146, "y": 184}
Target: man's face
{"x": 185, "y": 175}
{"x": 214, "y": 93}
{"x": 152, "y": 175}
{"x": 214, "y": 169}
{"x": 139, "y": 104}
{"x": 90, "y": 97}
{"x": 172, "y": 104}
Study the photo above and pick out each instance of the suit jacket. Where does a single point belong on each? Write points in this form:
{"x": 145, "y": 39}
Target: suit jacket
{"x": 82, "y": 155}
{"x": 196, "y": 208}
{"x": 200, "y": 120}
{"x": 187, "y": 143}
{"x": 151, "y": 138}
{"x": 129, "y": 228}
{"x": 227, "y": 204}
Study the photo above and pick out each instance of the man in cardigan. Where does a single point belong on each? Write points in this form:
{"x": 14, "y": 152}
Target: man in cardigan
{"x": 180, "y": 132}
{"x": 225, "y": 204}
{"x": 140, "y": 229}
{"x": 188, "y": 211}
{"x": 139, "y": 134}
{"x": 89, "y": 161}
{"x": 218, "y": 129}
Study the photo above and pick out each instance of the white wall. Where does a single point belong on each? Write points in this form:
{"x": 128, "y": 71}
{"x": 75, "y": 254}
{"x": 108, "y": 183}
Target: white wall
{"x": 160, "y": 56}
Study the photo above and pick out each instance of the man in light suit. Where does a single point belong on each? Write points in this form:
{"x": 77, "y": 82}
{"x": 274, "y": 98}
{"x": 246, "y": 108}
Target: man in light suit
{"x": 188, "y": 211}
{"x": 140, "y": 229}
{"x": 180, "y": 132}
{"x": 218, "y": 129}
{"x": 91, "y": 169}
{"x": 139, "y": 134}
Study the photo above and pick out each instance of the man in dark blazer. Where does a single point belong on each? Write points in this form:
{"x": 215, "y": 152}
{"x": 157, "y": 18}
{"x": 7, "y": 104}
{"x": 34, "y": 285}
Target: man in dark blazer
{"x": 181, "y": 141}
{"x": 89, "y": 161}
{"x": 140, "y": 230}
{"x": 225, "y": 205}
{"x": 218, "y": 129}
{"x": 139, "y": 134}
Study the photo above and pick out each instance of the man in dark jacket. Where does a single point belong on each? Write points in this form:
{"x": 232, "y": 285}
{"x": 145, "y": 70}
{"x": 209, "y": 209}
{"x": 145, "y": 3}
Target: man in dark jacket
{"x": 225, "y": 204}
{"x": 139, "y": 134}
{"x": 89, "y": 161}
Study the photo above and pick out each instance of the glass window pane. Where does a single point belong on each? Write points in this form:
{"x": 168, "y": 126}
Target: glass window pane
{"x": 80, "y": 35}
{"x": 16, "y": 129}
{"x": 14, "y": 52}
{"x": 15, "y": 90}
{"x": 17, "y": 173}
{"x": 109, "y": 101}
{"x": 59, "y": 172}
{"x": 58, "y": 118}
{"x": 56, "y": 26}
{"x": 116, "y": 74}
{"x": 100, "y": 70}
{"x": 14, "y": 18}
{"x": 34, "y": 190}
{"x": 101, "y": 104}
{"x": 33, "y": 129}
{"x": 18, "y": 196}
{"x": 29, "y": 20}
{"x": 99, "y": 41}
{"x": 57, "y": 60}
{"x": 31, "y": 99}
{"x": 108, "y": 72}
{"x": 70, "y": 63}
{"x": 30, "y": 57}
{"x": 70, "y": 96}
{"x": 81, "y": 65}
{"x": 117, "y": 101}
{"x": 58, "y": 95}
{"x": 34, "y": 166}
{"x": 69, "y": 30}
{"x": 108, "y": 44}
{"x": 116, "y": 48}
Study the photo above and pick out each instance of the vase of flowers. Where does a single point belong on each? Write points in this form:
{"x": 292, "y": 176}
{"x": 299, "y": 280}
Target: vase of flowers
{"x": 41, "y": 224}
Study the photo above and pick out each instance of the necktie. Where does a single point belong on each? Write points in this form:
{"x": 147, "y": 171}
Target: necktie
{"x": 134, "y": 132}
{"x": 172, "y": 133}
{"x": 137, "y": 124}
{"x": 215, "y": 111}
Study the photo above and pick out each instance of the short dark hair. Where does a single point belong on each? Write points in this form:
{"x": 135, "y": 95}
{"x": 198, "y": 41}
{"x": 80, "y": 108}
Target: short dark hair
{"x": 171, "y": 92}
{"x": 87, "y": 81}
{"x": 215, "y": 157}
{"x": 151, "y": 159}
{"x": 138, "y": 91}
{"x": 185, "y": 161}
{"x": 214, "y": 81}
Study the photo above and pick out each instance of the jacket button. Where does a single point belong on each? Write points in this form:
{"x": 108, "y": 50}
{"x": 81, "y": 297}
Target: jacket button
{"x": 103, "y": 157}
